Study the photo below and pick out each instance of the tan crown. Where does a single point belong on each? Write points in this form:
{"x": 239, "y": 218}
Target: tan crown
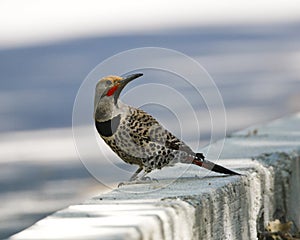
{"x": 112, "y": 78}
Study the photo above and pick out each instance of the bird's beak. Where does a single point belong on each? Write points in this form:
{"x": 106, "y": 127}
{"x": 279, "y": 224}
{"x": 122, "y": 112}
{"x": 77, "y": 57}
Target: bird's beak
{"x": 129, "y": 78}
{"x": 122, "y": 83}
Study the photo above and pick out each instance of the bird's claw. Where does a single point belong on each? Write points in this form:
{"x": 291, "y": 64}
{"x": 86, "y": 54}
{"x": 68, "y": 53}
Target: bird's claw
{"x": 143, "y": 180}
{"x": 148, "y": 179}
{"x": 121, "y": 184}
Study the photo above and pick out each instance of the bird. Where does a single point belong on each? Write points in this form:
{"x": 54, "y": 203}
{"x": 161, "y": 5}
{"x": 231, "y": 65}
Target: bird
{"x": 136, "y": 136}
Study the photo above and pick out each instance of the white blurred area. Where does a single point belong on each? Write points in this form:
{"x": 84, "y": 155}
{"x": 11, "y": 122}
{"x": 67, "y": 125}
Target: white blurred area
{"x": 31, "y": 22}
{"x": 250, "y": 48}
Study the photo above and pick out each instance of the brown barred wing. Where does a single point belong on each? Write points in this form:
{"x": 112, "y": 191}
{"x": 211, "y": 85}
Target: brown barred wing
{"x": 146, "y": 131}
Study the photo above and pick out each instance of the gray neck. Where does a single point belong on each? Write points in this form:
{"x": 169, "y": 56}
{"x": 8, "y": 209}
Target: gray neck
{"x": 106, "y": 109}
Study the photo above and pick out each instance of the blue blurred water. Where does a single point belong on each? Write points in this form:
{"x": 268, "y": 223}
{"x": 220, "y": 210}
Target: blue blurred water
{"x": 39, "y": 84}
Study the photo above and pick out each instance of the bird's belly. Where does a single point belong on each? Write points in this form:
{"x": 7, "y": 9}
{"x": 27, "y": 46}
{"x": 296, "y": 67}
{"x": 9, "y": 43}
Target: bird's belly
{"x": 125, "y": 151}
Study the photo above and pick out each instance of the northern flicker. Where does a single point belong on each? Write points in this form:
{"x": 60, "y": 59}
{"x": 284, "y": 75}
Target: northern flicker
{"x": 137, "y": 137}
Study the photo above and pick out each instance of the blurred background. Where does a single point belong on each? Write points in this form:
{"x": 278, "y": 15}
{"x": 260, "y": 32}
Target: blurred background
{"x": 250, "y": 48}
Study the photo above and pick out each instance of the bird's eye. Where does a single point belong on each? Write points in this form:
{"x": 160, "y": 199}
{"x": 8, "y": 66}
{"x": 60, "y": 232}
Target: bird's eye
{"x": 108, "y": 82}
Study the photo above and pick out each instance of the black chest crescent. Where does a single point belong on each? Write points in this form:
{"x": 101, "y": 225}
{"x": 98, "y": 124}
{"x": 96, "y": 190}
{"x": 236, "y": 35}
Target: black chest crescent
{"x": 108, "y": 128}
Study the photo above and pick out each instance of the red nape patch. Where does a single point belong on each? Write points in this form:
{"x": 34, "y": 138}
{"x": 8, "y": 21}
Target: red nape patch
{"x": 112, "y": 90}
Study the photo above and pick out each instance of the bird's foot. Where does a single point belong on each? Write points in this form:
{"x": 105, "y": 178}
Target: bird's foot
{"x": 147, "y": 179}
{"x": 142, "y": 180}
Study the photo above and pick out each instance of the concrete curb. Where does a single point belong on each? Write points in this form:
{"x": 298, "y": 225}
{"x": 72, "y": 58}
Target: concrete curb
{"x": 209, "y": 206}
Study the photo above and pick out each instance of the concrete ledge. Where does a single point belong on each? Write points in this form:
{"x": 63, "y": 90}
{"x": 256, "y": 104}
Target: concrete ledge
{"x": 209, "y": 206}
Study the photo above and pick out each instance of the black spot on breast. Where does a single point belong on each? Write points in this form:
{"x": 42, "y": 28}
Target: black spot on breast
{"x": 108, "y": 128}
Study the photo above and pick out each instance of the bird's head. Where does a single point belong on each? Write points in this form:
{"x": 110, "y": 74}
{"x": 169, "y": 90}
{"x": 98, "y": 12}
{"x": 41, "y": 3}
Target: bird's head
{"x": 108, "y": 90}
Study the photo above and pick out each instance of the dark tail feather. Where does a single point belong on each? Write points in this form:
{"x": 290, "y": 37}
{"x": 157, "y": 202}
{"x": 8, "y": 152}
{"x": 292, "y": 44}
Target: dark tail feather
{"x": 200, "y": 161}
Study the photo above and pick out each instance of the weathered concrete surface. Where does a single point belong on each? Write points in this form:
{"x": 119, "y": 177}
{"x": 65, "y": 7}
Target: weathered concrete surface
{"x": 192, "y": 203}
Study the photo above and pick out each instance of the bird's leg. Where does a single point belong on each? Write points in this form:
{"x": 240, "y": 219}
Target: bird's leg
{"x": 134, "y": 176}
{"x": 133, "y": 179}
{"x": 138, "y": 180}
{"x": 143, "y": 178}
